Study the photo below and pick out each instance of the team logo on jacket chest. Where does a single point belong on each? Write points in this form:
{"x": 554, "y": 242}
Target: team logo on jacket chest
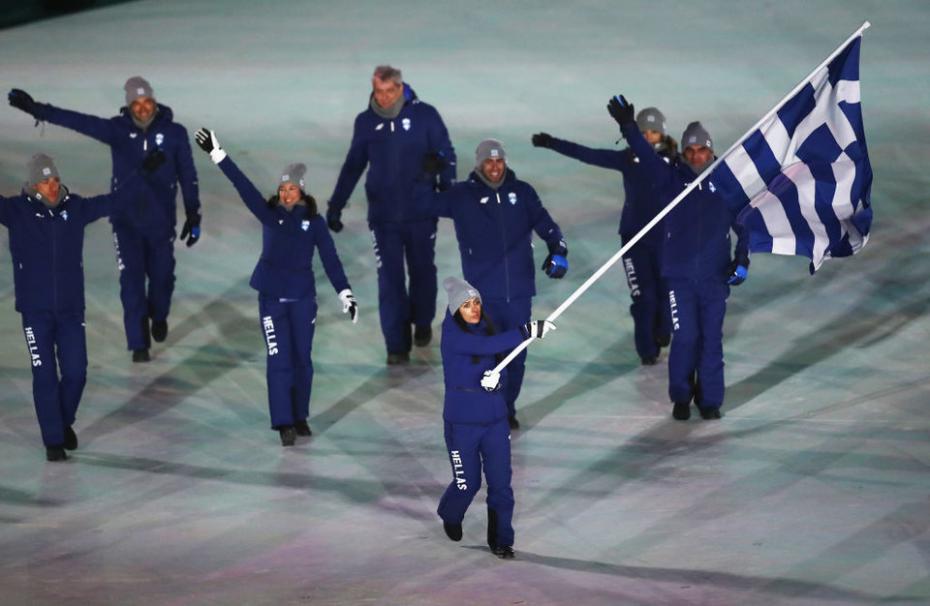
{"x": 159, "y": 139}
{"x": 405, "y": 123}
{"x": 305, "y": 225}
{"x": 512, "y": 197}
{"x": 483, "y": 200}
{"x": 64, "y": 215}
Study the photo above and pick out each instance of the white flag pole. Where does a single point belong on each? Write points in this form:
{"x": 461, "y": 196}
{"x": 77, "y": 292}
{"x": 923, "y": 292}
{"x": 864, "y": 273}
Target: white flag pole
{"x": 671, "y": 205}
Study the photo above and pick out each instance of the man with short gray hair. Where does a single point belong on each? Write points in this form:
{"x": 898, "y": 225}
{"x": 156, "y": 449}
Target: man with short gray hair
{"x": 392, "y": 138}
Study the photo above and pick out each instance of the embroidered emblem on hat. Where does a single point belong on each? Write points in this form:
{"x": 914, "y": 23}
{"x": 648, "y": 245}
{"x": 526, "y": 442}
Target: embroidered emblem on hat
{"x": 46, "y": 171}
{"x": 305, "y": 225}
{"x": 483, "y": 200}
{"x": 405, "y": 123}
{"x": 494, "y": 153}
{"x": 512, "y": 197}
{"x": 285, "y": 178}
{"x": 140, "y": 91}
{"x": 159, "y": 139}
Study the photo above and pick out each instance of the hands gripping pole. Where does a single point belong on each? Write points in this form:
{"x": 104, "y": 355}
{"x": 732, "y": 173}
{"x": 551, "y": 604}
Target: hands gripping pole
{"x": 671, "y": 205}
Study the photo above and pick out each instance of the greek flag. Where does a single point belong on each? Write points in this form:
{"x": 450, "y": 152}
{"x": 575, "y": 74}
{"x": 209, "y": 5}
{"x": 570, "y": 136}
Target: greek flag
{"x": 804, "y": 174}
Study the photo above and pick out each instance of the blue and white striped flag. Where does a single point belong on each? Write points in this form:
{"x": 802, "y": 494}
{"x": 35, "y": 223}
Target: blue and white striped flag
{"x": 805, "y": 172}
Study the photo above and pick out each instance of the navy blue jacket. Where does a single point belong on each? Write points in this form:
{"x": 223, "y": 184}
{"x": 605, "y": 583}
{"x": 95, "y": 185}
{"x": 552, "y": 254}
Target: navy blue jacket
{"x": 393, "y": 150}
{"x": 466, "y": 401}
{"x": 285, "y": 269}
{"x": 697, "y": 231}
{"x": 495, "y": 233}
{"x": 641, "y": 198}
{"x": 152, "y": 209}
{"x": 47, "y": 248}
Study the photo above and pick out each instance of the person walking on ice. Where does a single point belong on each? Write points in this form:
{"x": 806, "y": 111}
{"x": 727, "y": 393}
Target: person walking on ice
{"x": 292, "y": 230}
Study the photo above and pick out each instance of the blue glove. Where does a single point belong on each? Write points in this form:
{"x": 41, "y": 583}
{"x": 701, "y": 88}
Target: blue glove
{"x": 738, "y": 273}
{"x": 191, "y": 228}
{"x": 556, "y": 263}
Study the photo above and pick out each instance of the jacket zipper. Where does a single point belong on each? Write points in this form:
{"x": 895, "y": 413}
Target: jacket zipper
{"x": 500, "y": 214}
{"x": 54, "y": 263}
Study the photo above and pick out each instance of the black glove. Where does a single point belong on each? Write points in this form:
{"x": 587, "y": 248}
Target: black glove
{"x": 433, "y": 163}
{"x": 333, "y": 220}
{"x": 153, "y": 161}
{"x": 206, "y": 140}
{"x": 556, "y": 263}
{"x": 191, "y": 229}
{"x": 537, "y": 329}
{"x": 621, "y": 110}
{"x": 542, "y": 140}
{"x": 22, "y": 100}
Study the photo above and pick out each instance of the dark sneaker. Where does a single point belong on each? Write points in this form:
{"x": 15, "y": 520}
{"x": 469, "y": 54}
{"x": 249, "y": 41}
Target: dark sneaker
{"x": 159, "y": 330}
{"x": 71, "y": 442}
{"x": 288, "y": 435}
{"x": 663, "y": 340}
{"x": 513, "y": 422}
{"x": 649, "y": 361}
{"x": 504, "y": 552}
{"x": 141, "y": 355}
{"x": 422, "y": 335}
{"x": 681, "y": 411}
{"x": 55, "y": 453}
{"x": 302, "y": 428}
{"x": 395, "y": 359}
{"x": 453, "y": 531}
{"x": 710, "y": 414}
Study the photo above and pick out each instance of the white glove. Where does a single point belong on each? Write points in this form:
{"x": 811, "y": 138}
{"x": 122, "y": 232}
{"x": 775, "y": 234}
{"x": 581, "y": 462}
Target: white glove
{"x": 537, "y": 329}
{"x": 491, "y": 380}
{"x": 349, "y": 305}
{"x": 206, "y": 139}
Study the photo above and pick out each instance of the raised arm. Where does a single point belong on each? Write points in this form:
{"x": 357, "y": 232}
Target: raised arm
{"x": 253, "y": 199}
{"x": 604, "y": 158}
{"x": 95, "y": 127}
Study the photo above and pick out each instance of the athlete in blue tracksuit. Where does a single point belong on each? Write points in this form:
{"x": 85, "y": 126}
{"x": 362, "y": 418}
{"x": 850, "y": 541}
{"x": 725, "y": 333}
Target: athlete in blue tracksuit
{"x": 291, "y": 231}
{"x": 46, "y": 225}
{"x": 696, "y": 264}
{"x": 391, "y": 138}
{"x": 495, "y": 215}
{"x": 642, "y": 263}
{"x": 143, "y": 236}
{"x": 475, "y": 413}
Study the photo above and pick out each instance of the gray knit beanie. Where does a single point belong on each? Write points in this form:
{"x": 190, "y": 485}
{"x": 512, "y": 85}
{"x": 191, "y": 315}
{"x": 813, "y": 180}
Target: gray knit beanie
{"x": 137, "y": 87}
{"x": 651, "y": 119}
{"x": 696, "y": 135}
{"x": 41, "y": 167}
{"x": 294, "y": 173}
{"x": 459, "y": 291}
{"x": 489, "y": 148}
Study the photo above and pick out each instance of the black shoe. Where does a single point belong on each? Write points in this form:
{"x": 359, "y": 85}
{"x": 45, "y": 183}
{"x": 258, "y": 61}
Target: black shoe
{"x": 71, "y": 442}
{"x": 159, "y": 330}
{"x": 55, "y": 453}
{"x": 422, "y": 335}
{"x": 141, "y": 355}
{"x": 681, "y": 411}
{"x": 663, "y": 340}
{"x": 649, "y": 361}
{"x": 710, "y": 414}
{"x": 513, "y": 422}
{"x": 302, "y": 428}
{"x": 453, "y": 531}
{"x": 504, "y": 552}
{"x": 288, "y": 435}
{"x": 395, "y": 359}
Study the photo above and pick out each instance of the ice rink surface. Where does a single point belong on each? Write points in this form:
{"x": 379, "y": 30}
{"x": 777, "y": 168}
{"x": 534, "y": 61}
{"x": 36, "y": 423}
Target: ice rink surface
{"x": 814, "y": 489}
